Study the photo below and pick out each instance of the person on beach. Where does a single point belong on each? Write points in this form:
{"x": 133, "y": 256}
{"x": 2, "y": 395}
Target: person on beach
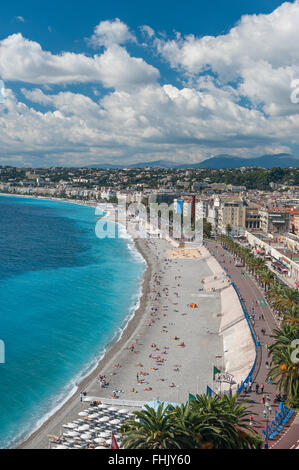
{"x": 257, "y": 388}
{"x": 262, "y": 388}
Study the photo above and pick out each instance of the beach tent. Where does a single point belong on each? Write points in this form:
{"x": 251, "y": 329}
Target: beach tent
{"x": 193, "y": 306}
{"x": 155, "y": 404}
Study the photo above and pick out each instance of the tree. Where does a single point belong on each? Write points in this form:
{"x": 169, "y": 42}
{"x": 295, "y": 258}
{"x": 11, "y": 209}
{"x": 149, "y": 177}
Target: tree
{"x": 228, "y": 228}
{"x": 204, "y": 423}
{"x": 152, "y": 430}
{"x": 286, "y": 374}
{"x": 207, "y": 228}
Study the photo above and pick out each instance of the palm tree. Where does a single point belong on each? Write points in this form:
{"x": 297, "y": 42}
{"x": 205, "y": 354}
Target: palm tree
{"x": 205, "y": 423}
{"x": 153, "y": 429}
{"x": 267, "y": 278}
{"x": 286, "y": 373}
{"x": 227, "y": 420}
{"x": 283, "y": 336}
{"x": 291, "y": 314}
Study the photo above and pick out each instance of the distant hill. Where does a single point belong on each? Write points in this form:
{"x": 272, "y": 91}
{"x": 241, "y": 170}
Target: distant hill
{"x": 282, "y": 160}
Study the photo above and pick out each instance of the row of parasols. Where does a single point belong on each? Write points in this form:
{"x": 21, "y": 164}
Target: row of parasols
{"x": 93, "y": 429}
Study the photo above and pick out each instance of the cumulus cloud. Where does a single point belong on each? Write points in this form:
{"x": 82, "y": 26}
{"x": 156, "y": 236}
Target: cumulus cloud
{"x": 273, "y": 38}
{"x": 260, "y": 54}
{"x": 24, "y": 60}
{"x": 107, "y": 33}
{"x": 235, "y": 97}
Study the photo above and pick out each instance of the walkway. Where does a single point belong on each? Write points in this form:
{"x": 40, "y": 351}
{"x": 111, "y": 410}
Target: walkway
{"x": 253, "y": 296}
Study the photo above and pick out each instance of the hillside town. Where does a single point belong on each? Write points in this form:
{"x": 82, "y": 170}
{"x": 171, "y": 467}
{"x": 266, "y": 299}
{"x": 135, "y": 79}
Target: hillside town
{"x": 264, "y": 219}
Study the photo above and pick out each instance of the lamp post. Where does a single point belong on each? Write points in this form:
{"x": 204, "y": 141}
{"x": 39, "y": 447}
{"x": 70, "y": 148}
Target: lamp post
{"x": 267, "y": 413}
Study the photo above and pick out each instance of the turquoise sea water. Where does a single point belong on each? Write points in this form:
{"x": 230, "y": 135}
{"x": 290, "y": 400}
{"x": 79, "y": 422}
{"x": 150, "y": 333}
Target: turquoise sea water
{"x": 64, "y": 296}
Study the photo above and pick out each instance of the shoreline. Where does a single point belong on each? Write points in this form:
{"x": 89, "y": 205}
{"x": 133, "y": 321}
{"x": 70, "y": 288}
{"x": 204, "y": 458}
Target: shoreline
{"x": 172, "y": 279}
{"x": 115, "y": 346}
{"x": 109, "y": 356}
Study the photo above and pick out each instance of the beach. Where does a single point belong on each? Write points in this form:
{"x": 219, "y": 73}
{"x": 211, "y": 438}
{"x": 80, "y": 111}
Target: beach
{"x": 170, "y": 345}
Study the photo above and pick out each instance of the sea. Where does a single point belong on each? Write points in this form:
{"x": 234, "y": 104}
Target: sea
{"x": 65, "y": 296}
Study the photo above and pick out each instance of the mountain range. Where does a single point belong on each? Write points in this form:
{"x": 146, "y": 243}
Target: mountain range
{"x": 282, "y": 160}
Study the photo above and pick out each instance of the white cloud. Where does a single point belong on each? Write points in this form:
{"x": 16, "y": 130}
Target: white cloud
{"x": 260, "y": 53}
{"x": 25, "y": 60}
{"x": 244, "y": 108}
{"x": 107, "y": 33}
{"x": 273, "y": 38}
{"x": 147, "y": 31}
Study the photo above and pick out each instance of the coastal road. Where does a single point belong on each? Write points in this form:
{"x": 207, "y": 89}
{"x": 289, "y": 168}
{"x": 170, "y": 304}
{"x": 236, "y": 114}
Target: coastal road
{"x": 253, "y": 296}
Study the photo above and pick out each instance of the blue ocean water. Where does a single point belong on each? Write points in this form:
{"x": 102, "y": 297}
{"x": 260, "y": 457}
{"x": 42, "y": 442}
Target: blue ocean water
{"x": 64, "y": 296}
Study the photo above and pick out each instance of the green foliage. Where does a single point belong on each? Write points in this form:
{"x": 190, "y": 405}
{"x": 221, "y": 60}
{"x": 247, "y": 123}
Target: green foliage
{"x": 204, "y": 423}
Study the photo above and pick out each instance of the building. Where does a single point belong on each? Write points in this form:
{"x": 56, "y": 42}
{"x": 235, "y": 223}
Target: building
{"x": 252, "y": 216}
{"x": 274, "y": 220}
{"x": 231, "y": 212}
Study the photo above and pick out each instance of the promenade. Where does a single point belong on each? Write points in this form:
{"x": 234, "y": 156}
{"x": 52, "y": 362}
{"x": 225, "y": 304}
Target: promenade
{"x": 254, "y": 297}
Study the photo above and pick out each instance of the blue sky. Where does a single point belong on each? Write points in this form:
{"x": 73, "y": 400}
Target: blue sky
{"x": 135, "y": 81}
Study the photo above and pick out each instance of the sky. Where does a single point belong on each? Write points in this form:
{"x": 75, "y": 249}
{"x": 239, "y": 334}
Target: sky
{"x": 120, "y": 82}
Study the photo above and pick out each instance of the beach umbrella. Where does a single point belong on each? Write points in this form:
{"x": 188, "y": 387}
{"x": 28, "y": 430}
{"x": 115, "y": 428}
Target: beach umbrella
{"x": 123, "y": 411}
{"x": 102, "y": 406}
{"x": 112, "y": 408}
{"x": 69, "y": 425}
{"x": 99, "y": 440}
{"x": 84, "y": 427}
{"x": 71, "y": 433}
{"x": 61, "y": 447}
{"x": 93, "y": 415}
{"x": 115, "y": 421}
{"x": 105, "y": 434}
{"x": 82, "y": 413}
{"x": 86, "y": 435}
{"x": 104, "y": 419}
{"x": 100, "y": 447}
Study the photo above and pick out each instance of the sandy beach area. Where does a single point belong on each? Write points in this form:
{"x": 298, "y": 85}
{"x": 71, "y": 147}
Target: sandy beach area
{"x": 168, "y": 349}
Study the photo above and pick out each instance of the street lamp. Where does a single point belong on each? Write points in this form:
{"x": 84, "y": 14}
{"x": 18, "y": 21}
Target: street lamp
{"x": 267, "y": 412}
